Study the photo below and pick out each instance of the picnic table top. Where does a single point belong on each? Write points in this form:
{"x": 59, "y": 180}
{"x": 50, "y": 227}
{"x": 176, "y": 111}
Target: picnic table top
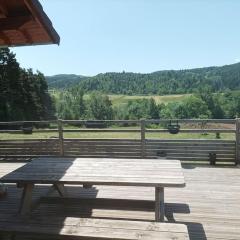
{"x": 100, "y": 171}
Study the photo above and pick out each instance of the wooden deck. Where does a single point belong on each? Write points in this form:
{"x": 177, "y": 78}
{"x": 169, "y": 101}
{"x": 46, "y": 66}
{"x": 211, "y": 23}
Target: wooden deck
{"x": 208, "y": 205}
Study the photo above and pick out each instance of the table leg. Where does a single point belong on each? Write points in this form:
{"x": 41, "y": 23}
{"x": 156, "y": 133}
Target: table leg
{"x": 159, "y": 204}
{"x": 26, "y": 200}
{"x": 60, "y": 189}
{"x": 87, "y": 185}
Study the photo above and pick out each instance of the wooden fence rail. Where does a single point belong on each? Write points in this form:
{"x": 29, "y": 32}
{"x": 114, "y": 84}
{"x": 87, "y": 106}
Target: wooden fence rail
{"x": 215, "y": 150}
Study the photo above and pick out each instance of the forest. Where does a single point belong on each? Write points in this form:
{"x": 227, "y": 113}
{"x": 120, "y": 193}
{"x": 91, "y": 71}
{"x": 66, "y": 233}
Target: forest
{"x": 217, "y": 79}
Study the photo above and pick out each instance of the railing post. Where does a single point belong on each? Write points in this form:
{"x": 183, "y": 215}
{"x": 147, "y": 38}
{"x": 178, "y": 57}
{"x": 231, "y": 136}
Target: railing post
{"x": 60, "y": 136}
{"x": 237, "y": 140}
{"x": 143, "y": 140}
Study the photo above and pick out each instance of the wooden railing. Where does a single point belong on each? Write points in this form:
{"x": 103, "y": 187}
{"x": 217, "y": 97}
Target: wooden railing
{"x": 143, "y": 146}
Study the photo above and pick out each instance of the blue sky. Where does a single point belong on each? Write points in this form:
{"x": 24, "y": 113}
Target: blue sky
{"x": 137, "y": 36}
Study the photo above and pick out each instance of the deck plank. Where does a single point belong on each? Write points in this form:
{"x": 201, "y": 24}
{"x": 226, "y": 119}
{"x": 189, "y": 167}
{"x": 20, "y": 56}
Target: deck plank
{"x": 208, "y": 205}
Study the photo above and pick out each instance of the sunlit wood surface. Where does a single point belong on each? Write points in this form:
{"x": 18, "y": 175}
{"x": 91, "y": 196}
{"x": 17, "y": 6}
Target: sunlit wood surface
{"x": 208, "y": 205}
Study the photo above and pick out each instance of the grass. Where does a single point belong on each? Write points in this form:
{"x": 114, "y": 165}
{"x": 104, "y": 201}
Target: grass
{"x": 8, "y": 136}
{"x": 123, "y": 99}
{"x": 118, "y": 99}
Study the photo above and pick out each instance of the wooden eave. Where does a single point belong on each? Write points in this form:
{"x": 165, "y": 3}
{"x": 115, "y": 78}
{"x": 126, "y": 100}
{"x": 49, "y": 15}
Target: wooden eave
{"x": 23, "y": 22}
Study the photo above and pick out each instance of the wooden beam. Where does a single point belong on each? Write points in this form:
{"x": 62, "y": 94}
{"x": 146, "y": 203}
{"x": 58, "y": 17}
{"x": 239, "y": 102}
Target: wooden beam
{"x": 26, "y": 35}
{"x": 41, "y": 18}
{"x": 5, "y": 38}
{"x": 3, "y": 10}
{"x": 14, "y": 23}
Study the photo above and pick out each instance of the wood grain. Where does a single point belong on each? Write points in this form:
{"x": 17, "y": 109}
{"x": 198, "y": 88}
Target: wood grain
{"x": 111, "y": 171}
{"x": 208, "y": 205}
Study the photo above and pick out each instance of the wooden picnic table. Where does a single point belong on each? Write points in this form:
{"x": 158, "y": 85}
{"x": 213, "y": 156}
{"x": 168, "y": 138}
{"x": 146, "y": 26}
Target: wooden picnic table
{"x": 97, "y": 171}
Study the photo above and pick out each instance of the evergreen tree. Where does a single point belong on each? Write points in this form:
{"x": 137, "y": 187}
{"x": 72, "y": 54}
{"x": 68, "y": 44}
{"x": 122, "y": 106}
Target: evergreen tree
{"x": 24, "y": 94}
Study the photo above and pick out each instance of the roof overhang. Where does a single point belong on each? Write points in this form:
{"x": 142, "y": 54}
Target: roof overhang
{"x": 23, "y": 22}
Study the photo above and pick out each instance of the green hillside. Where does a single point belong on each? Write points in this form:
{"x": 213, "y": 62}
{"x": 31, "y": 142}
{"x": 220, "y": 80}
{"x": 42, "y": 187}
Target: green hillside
{"x": 157, "y": 83}
{"x": 62, "y": 81}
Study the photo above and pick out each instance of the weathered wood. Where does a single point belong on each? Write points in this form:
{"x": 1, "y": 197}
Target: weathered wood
{"x": 104, "y": 130}
{"x": 159, "y": 204}
{"x": 107, "y": 121}
{"x": 183, "y": 149}
{"x": 26, "y": 201}
{"x": 127, "y": 172}
{"x": 86, "y": 228}
{"x": 137, "y": 172}
{"x": 237, "y": 140}
{"x": 208, "y": 205}
{"x": 207, "y": 130}
{"x": 143, "y": 138}
{"x": 60, "y": 189}
{"x": 228, "y": 121}
{"x": 60, "y": 135}
{"x": 25, "y": 122}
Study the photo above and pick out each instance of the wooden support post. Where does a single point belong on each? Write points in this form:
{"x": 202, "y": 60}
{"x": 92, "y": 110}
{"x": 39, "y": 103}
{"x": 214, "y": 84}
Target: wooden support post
{"x": 237, "y": 141}
{"x": 60, "y": 134}
{"x": 26, "y": 200}
{"x": 143, "y": 140}
{"x": 159, "y": 204}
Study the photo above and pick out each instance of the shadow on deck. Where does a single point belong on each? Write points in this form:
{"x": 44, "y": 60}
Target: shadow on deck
{"x": 208, "y": 205}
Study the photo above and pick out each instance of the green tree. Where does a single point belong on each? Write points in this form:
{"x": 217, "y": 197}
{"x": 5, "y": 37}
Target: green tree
{"x": 24, "y": 94}
{"x": 99, "y": 107}
{"x": 153, "y": 109}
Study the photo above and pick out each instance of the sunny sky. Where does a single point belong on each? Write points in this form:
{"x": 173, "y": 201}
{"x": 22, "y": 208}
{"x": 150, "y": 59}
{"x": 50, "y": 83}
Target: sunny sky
{"x": 137, "y": 36}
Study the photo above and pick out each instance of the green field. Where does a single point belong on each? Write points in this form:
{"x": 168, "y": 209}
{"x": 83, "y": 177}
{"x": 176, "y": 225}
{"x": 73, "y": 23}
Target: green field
{"x": 123, "y": 99}
{"x": 118, "y": 99}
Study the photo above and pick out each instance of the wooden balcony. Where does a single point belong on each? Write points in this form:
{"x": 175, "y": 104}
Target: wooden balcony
{"x": 208, "y": 205}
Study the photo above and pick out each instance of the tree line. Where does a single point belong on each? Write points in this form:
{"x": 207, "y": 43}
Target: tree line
{"x": 24, "y": 94}
{"x": 218, "y": 79}
{"x": 204, "y": 104}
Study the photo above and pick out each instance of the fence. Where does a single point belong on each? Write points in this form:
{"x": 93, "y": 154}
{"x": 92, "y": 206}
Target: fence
{"x": 210, "y": 150}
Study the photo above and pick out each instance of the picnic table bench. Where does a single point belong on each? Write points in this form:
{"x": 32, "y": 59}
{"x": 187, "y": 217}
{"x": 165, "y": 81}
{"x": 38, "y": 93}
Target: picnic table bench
{"x": 97, "y": 171}
{"x": 92, "y": 229}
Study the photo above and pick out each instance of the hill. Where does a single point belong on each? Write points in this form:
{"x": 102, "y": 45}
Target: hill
{"x": 162, "y": 82}
{"x": 62, "y": 81}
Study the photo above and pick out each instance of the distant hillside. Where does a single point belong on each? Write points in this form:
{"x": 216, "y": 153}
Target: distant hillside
{"x": 63, "y": 80}
{"x": 163, "y": 82}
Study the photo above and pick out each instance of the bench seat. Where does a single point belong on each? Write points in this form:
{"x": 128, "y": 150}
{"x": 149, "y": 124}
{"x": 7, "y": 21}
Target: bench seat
{"x": 90, "y": 228}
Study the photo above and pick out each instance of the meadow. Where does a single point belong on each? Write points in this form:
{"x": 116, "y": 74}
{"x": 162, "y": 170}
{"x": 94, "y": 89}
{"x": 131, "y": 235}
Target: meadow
{"x": 123, "y": 99}
{"x": 118, "y": 99}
